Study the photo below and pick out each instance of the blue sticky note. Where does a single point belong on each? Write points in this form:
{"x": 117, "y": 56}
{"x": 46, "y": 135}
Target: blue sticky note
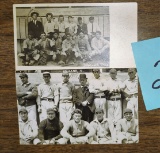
{"x": 147, "y": 58}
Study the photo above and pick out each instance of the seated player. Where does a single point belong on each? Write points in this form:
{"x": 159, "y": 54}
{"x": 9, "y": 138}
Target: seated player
{"x": 49, "y": 129}
{"x": 99, "y": 45}
{"x": 127, "y": 128}
{"x": 84, "y": 47}
{"x": 31, "y": 54}
{"x": 45, "y": 45}
{"x": 28, "y": 129}
{"x": 69, "y": 51}
{"x": 58, "y": 46}
{"x": 75, "y": 131}
{"x": 103, "y": 127}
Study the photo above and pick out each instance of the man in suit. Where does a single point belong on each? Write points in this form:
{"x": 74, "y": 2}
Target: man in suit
{"x": 127, "y": 128}
{"x": 35, "y": 26}
{"x": 82, "y": 27}
{"x": 83, "y": 99}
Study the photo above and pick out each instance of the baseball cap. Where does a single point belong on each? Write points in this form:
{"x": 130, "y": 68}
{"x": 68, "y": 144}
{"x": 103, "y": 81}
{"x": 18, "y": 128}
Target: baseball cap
{"x": 99, "y": 110}
{"x": 23, "y": 75}
{"x": 23, "y": 110}
{"x": 127, "y": 110}
{"x": 46, "y": 73}
{"x": 50, "y": 110}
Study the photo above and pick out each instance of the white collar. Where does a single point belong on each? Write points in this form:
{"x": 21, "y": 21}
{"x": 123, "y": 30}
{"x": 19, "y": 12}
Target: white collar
{"x": 104, "y": 120}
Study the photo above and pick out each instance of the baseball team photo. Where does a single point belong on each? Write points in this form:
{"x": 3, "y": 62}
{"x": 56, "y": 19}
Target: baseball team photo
{"x": 62, "y": 36}
{"x": 78, "y": 106}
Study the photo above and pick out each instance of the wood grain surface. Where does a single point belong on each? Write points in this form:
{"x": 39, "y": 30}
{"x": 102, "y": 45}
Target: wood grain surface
{"x": 149, "y": 121}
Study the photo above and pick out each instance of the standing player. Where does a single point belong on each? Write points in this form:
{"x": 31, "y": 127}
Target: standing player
{"x": 26, "y": 95}
{"x": 130, "y": 88}
{"x": 97, "y": 86}
{"x": 47, "y": 96}
{"x": 114, "y": 100}
{"x": 65, "y": 93}
{"x": 49, "y": 26}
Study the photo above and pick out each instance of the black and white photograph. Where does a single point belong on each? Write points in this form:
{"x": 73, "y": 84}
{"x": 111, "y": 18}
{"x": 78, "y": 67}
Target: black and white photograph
{"x": 78, "y": 106}
{"x": 87, "y": 35}
{"x": 63, "y": 36}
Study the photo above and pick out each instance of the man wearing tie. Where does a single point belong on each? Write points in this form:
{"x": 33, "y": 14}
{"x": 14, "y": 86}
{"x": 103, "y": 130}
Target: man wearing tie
{"x": 35, "y": 26}
{"x": 83, "y": 99}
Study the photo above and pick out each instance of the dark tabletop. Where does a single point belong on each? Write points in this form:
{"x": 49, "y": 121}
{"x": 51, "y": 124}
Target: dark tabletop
{"x": 149, "y": 121}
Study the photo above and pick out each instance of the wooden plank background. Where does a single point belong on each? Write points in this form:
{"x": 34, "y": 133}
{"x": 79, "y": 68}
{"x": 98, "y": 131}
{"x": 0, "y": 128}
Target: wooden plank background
{"x": 148, "y": 27}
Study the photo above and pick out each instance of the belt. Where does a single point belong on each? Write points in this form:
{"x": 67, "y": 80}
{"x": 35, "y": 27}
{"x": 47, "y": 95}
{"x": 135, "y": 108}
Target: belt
{"x": 114, "y": 99}
{"x": 30, "y": 102}
{"x": 49, "y": 99}
{"x": 63, "y": 102}
{"x": 132, "y": 95}
{"x": 77, "y": 136}
{"x": 100, "y": 96}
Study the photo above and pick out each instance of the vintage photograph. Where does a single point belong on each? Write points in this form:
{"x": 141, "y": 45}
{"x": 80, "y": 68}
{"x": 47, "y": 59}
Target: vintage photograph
{"x": 78, "y": 106}
{"x": 62, "y": 36}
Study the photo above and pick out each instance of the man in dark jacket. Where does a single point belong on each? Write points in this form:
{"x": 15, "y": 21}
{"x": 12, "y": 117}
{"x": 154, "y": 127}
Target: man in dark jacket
{"x": 49, "y": 129}
{"x": 83, "y": 99}
{"x": 35, "y": 26}
{"x": 82, "y": 27}
{"x": 26, "y": 95}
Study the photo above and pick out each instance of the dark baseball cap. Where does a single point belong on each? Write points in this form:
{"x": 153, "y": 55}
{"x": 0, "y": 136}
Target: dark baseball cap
{"x": 82, "y": 76}
{"x": 23, "y": 75}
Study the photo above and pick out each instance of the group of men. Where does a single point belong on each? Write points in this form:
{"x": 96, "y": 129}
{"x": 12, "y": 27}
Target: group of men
{"x": 62, "y": 42}
{"x": 90, "y": 113}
